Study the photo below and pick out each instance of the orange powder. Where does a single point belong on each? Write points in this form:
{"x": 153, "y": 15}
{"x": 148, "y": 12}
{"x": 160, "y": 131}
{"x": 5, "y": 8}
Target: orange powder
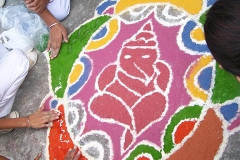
{"x": 59, "y": 139}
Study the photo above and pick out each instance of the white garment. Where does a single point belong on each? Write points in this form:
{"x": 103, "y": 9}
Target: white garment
{"x": 59, "y": 8}
{"x": 14, "y": 64}
{"x": 13, "y": 70}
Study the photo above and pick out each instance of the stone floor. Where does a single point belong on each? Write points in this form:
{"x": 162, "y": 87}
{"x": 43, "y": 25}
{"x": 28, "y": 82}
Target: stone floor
{"x": 25, "y": 144}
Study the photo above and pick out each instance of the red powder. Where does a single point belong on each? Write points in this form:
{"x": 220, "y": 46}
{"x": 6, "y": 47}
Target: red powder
{"x": 183, "y": 130}
{"x": 143, "y": 158}
{"x": 59, "y": 139}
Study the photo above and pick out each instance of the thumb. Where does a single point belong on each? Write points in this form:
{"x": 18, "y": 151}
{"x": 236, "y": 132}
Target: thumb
{"x": 38, "y": 156}
{"x": 41, "y": 108}
{"x": 65, "y": 37}
{"x": 48, "y": 47}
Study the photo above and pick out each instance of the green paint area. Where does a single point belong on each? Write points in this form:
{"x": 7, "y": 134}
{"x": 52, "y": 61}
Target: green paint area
{"x": 141, "y": 149}
{"x": 203, "y": 18}
{"x": 186, "y": 113}
{"x": 226, "y": 86}
{"x": 62, "y": 65}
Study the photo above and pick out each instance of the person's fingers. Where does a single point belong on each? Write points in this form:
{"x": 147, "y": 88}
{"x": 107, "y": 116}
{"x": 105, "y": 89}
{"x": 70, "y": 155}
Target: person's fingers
{"x": 77, "y": 155}
{"x": 41, "y": 119}
{"x": 41, "y": 108}
{"x": 32, "y": 3}
{"x": 28, "y": 1}
{"x": 38, "y": 156}
{"x": 29, "y": 4}
{"x": 48, "y": 115}
{"x": 38, "y": 9}
{"x": 35, "y": 9}
{"x": 48, "y": 46}
{"x": 36, "y": 5}
{"x": 65, "y": 37}
{"x": 50, "y": 118}
{"x": 73, "y": 151}
{"x": 58, "y": 34}
{"x": 43, "y": 125}
{"x": 47, "y": 119}
{"x": 48, "y": 124}
{"x": 54, "y": 53}
{"x": 33, "y": 6}
{"x": 69, "y": 153}
{"x": 52, "y": 112}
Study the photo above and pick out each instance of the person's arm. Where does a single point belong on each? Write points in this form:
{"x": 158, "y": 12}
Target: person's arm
{"x": 73, "y": 154}
{"x": 3, "y": 158}
{"x": 36, "y": 6}
{"x": 6, "y": 123}
{"x": 38, "y": 119}
{"x": 57, "y": 31}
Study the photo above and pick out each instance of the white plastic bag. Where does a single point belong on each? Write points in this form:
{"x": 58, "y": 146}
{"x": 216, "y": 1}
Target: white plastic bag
{"x": 28, "y": 24}
{"x": 14, "y": 39}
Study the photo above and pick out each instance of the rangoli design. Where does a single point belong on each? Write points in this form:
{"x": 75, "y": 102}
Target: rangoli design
{"x": 137, "y": 82}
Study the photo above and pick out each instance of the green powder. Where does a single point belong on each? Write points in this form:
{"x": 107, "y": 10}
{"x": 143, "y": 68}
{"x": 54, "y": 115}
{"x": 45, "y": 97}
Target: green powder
{"x": 203, "y": 18}
{"x": 62, "y": 65}
{"x": 145, "y": 149}
{"x": 185, "y": 113}
{"x": 226, "y": 86}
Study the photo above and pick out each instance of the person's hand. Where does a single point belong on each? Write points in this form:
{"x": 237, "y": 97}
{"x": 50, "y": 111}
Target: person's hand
{"x": 72, "y": 154}
{"x": 36, "y": 6}
{"x": 57, "y": 34}
{"x": 40, "y": 118}
{"x": 38, "y": 156}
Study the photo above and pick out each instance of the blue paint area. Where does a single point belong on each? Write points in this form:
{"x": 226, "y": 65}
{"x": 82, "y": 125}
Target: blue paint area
{"x": 205, "y": 78}
{"x": 100, "y": 9}
{"x": 210, "y": 2}
{"x": 100, "y": 34}
{"x": 187, "y": 41}
{"x": 229, "y": 111}
{"x": 54, "y": 103}
{"x": 83, "y": 79}
{"x": 103, "y": 6}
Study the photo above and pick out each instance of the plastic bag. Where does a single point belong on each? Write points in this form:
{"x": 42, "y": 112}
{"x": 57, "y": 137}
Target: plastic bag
{"x": 14, "y": 39}
{"x": 29, "y": 25}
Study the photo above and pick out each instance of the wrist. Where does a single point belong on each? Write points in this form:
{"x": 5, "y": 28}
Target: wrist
{"x": 28, "y": 122}
{"x": 53, "y": 24}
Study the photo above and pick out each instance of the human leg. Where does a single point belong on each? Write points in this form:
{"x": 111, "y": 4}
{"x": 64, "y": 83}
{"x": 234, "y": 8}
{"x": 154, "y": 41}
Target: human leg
{"x": 3, "y": 51}
{"x": 13, "y": 70}
{"x": 59, "y": 8}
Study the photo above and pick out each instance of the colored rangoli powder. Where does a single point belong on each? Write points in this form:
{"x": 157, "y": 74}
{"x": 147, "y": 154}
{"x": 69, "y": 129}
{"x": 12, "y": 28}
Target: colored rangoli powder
{"x": 141, "y": 84}
{"x": 59, "y": 139}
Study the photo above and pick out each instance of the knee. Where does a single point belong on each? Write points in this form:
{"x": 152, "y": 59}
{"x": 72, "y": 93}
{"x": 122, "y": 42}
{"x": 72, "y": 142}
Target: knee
{"x": 19, "y": 59}
{"x": 61, "y": 15}
{"x": 59, "y": 8}
{"x": 17, "y": 54}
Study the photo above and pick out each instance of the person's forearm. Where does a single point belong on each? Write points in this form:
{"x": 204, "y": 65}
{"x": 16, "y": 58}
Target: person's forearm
{"x": 7, "y": 123}
{"x": 47, "y": 17}
{"x": 3, "y": 158}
